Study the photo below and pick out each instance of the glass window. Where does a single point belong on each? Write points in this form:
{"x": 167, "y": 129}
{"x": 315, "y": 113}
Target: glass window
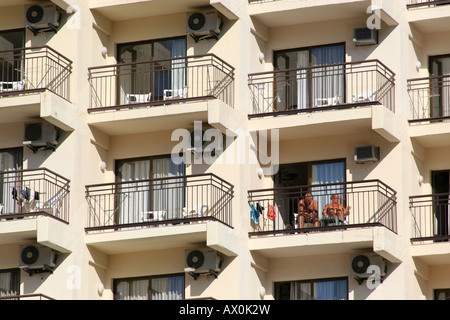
{"x": 327, "y": 289}
{"x": 315, "y": 175}
{"x": 141, "y": 79}
{"x": 441, "y": 294}
{"x": 10, "y": 59}
{"x": 300, "y": 87}
{"x": 150, "y": 288}
{"x": 10, "y": 160}
{"x": 439, "y": 89}
{"x": 9, "y": 283}
{"x": 138, "y": 199}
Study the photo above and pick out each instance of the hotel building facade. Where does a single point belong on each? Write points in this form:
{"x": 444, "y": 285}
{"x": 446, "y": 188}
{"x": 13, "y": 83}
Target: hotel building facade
{"x": 160, "y": 149}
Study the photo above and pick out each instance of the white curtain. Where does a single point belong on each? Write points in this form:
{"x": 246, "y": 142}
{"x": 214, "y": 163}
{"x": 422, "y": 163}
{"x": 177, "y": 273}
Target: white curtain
{"x": 178, "y": 81}
{"x": 164, "y": 288}
{"x": 302, "y": 80}
{"x": 9, "y": 284}
{"x": 132, "y": 290}
{"x": 170, "y": 288}
{"x": 134, "y": 197}
{"x": 325, "y": 173}
{"x": 328, "y": 82}
{"x": 168, "y": 195}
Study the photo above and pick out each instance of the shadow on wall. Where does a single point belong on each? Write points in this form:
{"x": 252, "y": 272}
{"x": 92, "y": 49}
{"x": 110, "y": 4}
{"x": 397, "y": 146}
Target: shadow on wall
{"x": 203, "y": 282}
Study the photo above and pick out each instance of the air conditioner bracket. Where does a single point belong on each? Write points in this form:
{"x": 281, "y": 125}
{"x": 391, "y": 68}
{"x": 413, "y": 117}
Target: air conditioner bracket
{"x": 195, "y": 275}
{"x": 44, "y": 269}
{"x": 212, "y": 35}
{"x": 50, "y": 28}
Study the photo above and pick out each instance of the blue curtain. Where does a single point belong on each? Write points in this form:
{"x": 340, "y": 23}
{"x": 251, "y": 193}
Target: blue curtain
{"x": 331, "y": 290}
{"x": 328, "y": 82}
{"x": 324, "y": 173}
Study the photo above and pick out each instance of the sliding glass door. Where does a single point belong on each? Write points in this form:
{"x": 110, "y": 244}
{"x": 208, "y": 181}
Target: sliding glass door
{"x": 294, "y": 180}
{"x": 143, "y": 80}
{"x": 144, "y": 194}
{"x": 11, "y": 61}
{"x": 299, "y": 87}
{"x": 440, "y": 86}
{"x": 10, "y": 161}
{"x": 441, "y": 201}
{"x": 327, "y": 173}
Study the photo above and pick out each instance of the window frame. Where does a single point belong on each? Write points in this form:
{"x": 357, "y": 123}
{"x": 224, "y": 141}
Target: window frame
{"x": 149, "y": 278}
{"x": 15, "y": 277}
{"x": 311, "y": 282}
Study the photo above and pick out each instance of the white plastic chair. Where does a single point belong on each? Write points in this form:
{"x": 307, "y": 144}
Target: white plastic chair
{"x": 138, "y": 98}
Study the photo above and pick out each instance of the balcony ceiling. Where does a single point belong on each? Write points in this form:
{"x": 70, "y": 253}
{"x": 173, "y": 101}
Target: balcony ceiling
{"x": 430, "y": 20}
{"x": 316, "y": 13}
{"x": 63, "y": 4}
{"x": 117, "y": 10}
{"x": 432, "y": 135}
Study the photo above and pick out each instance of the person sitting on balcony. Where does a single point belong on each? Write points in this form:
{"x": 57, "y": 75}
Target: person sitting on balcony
{"x": 336, "y": 209}
{"x": 308, "y": 211}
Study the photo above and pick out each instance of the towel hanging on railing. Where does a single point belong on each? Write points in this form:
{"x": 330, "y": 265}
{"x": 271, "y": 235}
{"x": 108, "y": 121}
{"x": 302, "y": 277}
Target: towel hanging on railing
{"x": 272, "y": 212}
{"x": 254, "y": 213}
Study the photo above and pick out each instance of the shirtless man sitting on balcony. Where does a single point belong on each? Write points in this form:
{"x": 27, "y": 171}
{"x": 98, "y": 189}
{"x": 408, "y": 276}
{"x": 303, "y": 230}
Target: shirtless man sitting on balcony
{"x": 336, "y": 209}
{"x": 308, "y": 211}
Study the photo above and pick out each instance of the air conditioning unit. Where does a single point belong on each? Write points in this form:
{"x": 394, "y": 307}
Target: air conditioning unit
{"x": 368, "y": 153}
{"x": 40, "y": 135}
{"x": 200, "y": 145}
{"x": 36, "y": 258}
{"x": 197, "y": 142}
{"x": 204, "y": 23}
{"x": 365, "y": 36}
{"x": 42, "y": 16}
{"x": 202, "y": 261}
{"x": 361, "y": 262}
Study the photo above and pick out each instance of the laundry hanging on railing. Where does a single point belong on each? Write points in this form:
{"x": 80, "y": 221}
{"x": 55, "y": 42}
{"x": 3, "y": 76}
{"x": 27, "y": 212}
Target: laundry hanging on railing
{"x": 255, "y": 212}
{"x": 272, "y": 212}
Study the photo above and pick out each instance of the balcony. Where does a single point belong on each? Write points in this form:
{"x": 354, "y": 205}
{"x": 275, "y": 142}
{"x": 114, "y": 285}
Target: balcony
{"x": 338, "y": 99}
{"x": 426, "y": 3}
{"x": 278, "y": 13}
{"x": 35, "y": 82}
{"x": 371, "y": 223}
{"x": 161, "y": 213}
{"x": 34, "y": 204}
{"x": 429, "y": 16}
{"x": 430, "y": 110}
{"x": 430, "y": 228}
{"x": 161, "y": 94}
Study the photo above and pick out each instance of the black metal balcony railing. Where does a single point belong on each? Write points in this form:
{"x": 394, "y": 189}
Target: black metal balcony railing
{"x": 426, "y": 3}
{"x": 141, "y": 203}
{"x": 430, "y": 98}
{"x": 34, "y": 69}
{"x": 31, "y": 296}
{"x": 158, "y": 82}
{"x": 370, "y": 203}
{"x": 430, "y": 217}
{"x": 322, "y": 87}
{"x": 33, "y": 192}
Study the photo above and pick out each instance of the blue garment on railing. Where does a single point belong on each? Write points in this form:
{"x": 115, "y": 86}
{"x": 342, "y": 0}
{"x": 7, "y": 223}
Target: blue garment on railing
{"x": 254, "y": 213}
